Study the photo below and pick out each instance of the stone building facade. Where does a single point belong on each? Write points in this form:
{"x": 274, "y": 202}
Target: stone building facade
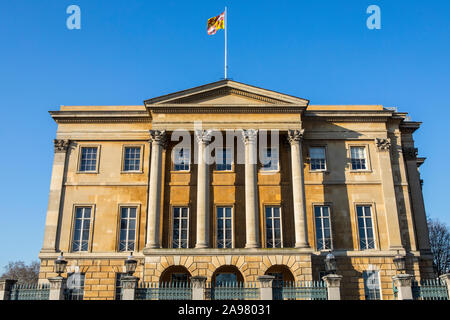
{"x": 340, "y": 178}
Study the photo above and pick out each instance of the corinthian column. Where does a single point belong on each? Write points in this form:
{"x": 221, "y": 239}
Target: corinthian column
{"x": 55, "y": 196}
{"x": 203, "y": 139}
{"x": 157, "y": 139}
{"x": 251, "y": 190}
{"x": 298, "y": 188}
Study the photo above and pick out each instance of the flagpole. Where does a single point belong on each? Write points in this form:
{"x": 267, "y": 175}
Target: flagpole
{"x": 226, "y": 25}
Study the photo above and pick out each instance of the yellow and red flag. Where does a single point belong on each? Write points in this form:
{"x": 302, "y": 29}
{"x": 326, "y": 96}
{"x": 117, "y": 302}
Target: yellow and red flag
{"x": 216, "y": 23}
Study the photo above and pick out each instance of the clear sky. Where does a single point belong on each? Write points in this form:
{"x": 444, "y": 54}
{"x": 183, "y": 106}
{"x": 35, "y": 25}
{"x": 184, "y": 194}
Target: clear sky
{"x": 128, "y": 51}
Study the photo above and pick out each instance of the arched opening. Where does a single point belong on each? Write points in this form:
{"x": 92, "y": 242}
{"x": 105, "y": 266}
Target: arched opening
{"x": 226, "y": 274}
{"x": 175, "y": 274}
{"x": 281, "y": 273}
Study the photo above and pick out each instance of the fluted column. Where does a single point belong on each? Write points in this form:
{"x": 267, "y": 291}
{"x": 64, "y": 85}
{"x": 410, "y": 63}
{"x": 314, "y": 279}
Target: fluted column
{"x": 298, "y": 188}
{"x": 251, "y": 189}
{"x": 203, "y": 139}
{"x": 157, "y": 139}
{"x": 55, "y": 196}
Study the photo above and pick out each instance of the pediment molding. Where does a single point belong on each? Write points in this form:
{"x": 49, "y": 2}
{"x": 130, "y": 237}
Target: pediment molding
{"x": 224, "y": 88}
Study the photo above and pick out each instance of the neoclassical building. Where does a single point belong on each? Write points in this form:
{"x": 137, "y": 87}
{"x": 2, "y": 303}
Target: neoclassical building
{"x": 232, "y": 181}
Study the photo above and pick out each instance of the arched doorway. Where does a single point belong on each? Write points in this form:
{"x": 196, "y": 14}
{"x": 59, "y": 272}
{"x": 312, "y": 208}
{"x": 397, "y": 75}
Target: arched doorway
{"x": 226, "y": 274}
{"x": 175, "y": 274}
{"x": 281, "y": 273}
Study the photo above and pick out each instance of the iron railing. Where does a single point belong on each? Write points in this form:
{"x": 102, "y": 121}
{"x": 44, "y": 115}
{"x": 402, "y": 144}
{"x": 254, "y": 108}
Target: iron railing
{"x": 20, "y": 291}
{"x": 300, "y": 290}
{"x": 429, "y": 289}
{"x": 232, "y": 291}
{"x": 163, "y": 291}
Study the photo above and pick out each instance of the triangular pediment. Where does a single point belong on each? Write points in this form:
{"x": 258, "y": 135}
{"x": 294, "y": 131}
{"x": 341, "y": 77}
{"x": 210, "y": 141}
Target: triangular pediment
{"x": 227, "y": 92}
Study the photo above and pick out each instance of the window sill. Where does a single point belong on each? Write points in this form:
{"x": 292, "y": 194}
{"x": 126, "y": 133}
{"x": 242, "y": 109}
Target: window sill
{"x": 180, "y": 171}
{"x": 87, "y": 172}
{"x": 131, "y": 172}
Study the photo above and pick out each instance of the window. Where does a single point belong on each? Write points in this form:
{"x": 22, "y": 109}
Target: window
{"x": 224, "y": 227}
{"x": 127, "y": 235}
{"x": 179, "y": 277}
{"x": 181, "y": 159}
{"x": 82, "y": 228}
{"x": 318, "y": 161}
{"x": 75, "y": 286}
{"x": 88, "y": 159}
{"x": 119, "y": 285}
{"x": 180, "y": 227}
{"x": 273, "y": 227}
{"x": 323, "y": 227}
{"x": 223, "y": 159}
{"x": 270, "y": 159}
{"x": 365, "y": 227}
{"x": 372, "y": 285}
{"x": 132, "y": 159}
{"x": 358, "y": 158}
{"x": 225, "y": 278}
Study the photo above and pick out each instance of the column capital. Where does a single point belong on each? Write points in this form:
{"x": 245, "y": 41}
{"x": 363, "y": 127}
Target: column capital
{"x": 159, "y": 137}
{"x": 61, "y": 145}
{"x": 129, "y": 282}
{"x": 266, "y": 281}
{"x": 198, "y": 282}
{"x": 333, "y": 280}
{"x": 383, "y": 144}
{"x": 402, "y": 280}
{"x": 410, "y": 153}
{"x": 295, "y": 136}
{"x": 57, "y": 282}
{"x": 249, "y": 135}
{"x": 203, "y": 136}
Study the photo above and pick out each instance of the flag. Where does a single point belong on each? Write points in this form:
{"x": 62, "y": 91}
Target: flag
{"x": 216, "y": 23}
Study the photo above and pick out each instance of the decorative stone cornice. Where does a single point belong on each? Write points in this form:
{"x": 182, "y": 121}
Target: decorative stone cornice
{"x": 383, "y": 144}
{"x": 225, "y": 108}
{"x": 295, "y": 136}
{"x": 203, "y": 136}
{"x": 159, "y": 137}
{"x": 410, "y": 153}
{"x": 61, "y": 145}
{"x": 249, "y": 135}
{"x": 100, "y": 116}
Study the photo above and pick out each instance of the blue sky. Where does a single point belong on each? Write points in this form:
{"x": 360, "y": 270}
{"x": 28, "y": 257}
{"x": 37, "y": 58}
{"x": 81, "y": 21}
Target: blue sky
{"x": 128, "y": 51}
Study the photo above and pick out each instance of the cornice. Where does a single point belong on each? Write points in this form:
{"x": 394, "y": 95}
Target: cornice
{"x": 100, "y": 116}
{"x": 347, "y": 116}
{"x": 226, "y": 108}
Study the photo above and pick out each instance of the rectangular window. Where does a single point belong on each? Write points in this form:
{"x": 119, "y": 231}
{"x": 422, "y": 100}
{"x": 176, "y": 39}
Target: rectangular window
{"x": 224, "y": 227}
{"x": 132, "y": 159}
{"x": 273, "y": 227}
{"x": 270, "y": 159}
{"x": 358, "y": 158}
{"x": 181, "y": 159}
{"x": 180, "y": 227}
{"x": 365, "y": 227}
{"x": 82, "y": 228}
{"x": 75, "y": 286}
{"x": 323, "y": 227}
{"x": 88, "y": 159}
{"x": 127, "y": 235}
{"x": 372, "y": 285}
{"x": 119, "y": 285}
{"x": 223, "y": 159}
{"x": 318, "y": 161}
